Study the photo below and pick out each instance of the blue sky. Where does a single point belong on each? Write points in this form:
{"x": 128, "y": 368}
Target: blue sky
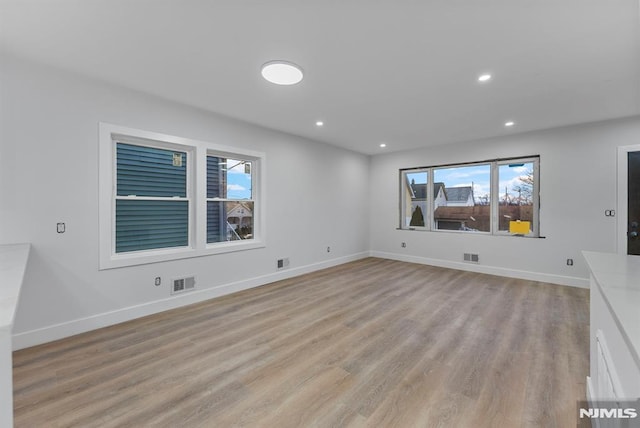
{"x": 479, "y": 175}
{"x": 238, "y": 181}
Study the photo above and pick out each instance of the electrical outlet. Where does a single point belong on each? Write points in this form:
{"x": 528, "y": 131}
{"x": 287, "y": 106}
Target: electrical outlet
{"x": 61, "y": 227}
{"x": 569, "y": 262}
{"x": 403, "y": 245}
{"x": 328, "y": 249}
{"x": 157, "y": 281}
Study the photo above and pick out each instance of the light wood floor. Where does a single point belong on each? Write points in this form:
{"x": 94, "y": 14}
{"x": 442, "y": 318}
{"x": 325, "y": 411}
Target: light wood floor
{"x": 375, "y": 343}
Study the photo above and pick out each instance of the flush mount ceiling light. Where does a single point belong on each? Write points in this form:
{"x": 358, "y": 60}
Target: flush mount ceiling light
{"x": 509, "y": 124}
{"x": 484, "y": 77}
{"x": 383, "y": 145}
{"x": 282, "y": 72}
{"x": 319, "y": 123}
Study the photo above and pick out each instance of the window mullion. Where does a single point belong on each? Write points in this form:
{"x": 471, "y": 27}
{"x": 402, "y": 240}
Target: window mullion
{"x": 494, "y": 194}
{"x": 536, "y": 197}
{"x": 430, "y": 202}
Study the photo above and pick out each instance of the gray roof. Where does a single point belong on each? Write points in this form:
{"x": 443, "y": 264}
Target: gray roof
{"x": 459, "y": 194}
{"x": 420, "y": 190}
{"x": 437, "y": 187}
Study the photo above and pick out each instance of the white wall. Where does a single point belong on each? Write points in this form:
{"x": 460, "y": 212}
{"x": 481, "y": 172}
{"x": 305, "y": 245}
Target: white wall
{"x": 577, "y": 183}
{"x": 316, "y": 196}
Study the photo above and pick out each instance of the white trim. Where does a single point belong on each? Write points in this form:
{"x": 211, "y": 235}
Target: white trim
{"x": 256, "y": 177}
{"x": 595, "y": 422}
{"x": 610, "y": 369}
{"x": 622, "y": 203}
{"x": 196, "y": 195}
{"x": 13, "y": 264}
{"x": 491, "y": 270}
{"x": 70, "y": 328}
{"x": 494, "y": 181}
{"x": 494, "y": 202}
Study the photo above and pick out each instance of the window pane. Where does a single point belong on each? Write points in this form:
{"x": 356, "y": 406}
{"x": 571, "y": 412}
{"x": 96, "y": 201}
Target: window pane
{"x": 228, "y": 178}
{"x": 216, "y": 177}
{"x": 145, "y": 225}
{"x": 461, "y": 197}
{"x": 229, "y": 221}
{"x": 239, "y": 183}
{"x": 416, "y": 209}
{"x": 148, "y": 171}
{"x": 515, "y": 201}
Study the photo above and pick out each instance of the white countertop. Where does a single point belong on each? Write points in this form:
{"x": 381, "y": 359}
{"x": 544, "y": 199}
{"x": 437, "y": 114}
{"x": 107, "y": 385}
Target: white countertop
{"x": 618, "y": 277}
{"x": 13, "y": 262}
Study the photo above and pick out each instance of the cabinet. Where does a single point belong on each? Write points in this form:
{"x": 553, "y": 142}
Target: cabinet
{"x": 614, "y": 328}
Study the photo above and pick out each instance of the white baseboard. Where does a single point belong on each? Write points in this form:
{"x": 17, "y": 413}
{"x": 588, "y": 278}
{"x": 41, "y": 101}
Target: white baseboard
{"x": 82, "y": 325}
{"x": 492, "y": 270}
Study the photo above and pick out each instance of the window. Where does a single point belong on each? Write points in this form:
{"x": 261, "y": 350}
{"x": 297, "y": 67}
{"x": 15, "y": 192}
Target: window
{"x": 151, "y": 201}
{"x": 230, "y": 202}
{"x": 497, "y": 197}
{"x": 416, "y": 210}
{"x": 462, "y": 202}
{"x": 165, "y": 198}
{"x": 517, "y": 197}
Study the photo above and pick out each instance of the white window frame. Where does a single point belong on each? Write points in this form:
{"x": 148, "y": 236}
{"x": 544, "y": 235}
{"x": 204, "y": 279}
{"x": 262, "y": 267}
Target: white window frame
{"x": 432, "y": 202}
{"x": 404, "y": 183}
{"x": 197, "y": 152}
{"x": 494, "y": 165}
{"x": 217, "y": 247}
{"x": 126, "y": 139}
{"x": 495, "y": 209}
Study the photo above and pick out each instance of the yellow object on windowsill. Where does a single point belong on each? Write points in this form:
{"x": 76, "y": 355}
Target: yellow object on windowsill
{"x": 519, "y": 227}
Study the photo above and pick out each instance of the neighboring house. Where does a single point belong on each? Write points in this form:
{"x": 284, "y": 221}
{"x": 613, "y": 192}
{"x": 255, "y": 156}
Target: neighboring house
{"x": 418, "y": 198}
{"x": 460, "y": 211}
{"x": 475, "y": 217}
{"x": 459, "y": 196}
{"x": 440, "y": 195}
{"x": 239, "y": 219}
{"x": 443, "y": 197}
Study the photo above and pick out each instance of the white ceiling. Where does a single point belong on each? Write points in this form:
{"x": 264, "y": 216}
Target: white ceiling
{"x": 400, "y": 72}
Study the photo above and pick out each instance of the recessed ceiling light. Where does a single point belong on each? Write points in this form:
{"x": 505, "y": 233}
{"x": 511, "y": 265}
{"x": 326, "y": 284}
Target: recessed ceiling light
{"x": 282, "y": 72}
{"x": 484, "y": 77}
{"x": 510, "y": 123}
{"x": 319, "y": 123}
{"x": 383, "y": 145}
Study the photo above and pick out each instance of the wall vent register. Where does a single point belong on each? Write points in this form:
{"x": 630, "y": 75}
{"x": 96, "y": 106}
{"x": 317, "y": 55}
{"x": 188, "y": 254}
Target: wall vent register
{"x": 181, "y": 285}
{"x": 469, "y": 257}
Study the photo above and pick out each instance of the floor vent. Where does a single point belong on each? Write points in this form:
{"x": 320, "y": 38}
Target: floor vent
{"x": 473, "y": 258}
{"x": 181, "y": 285}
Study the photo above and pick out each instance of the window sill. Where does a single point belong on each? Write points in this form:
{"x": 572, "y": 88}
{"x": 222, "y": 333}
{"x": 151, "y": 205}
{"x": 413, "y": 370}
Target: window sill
{"x": 466, "y": 232}
{"x": 157, "y": 256}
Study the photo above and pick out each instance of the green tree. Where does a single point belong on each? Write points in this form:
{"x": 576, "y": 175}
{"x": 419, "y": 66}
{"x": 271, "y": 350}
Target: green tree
{"x": 525, "y": 189}
{"x": 417, "y": 218}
